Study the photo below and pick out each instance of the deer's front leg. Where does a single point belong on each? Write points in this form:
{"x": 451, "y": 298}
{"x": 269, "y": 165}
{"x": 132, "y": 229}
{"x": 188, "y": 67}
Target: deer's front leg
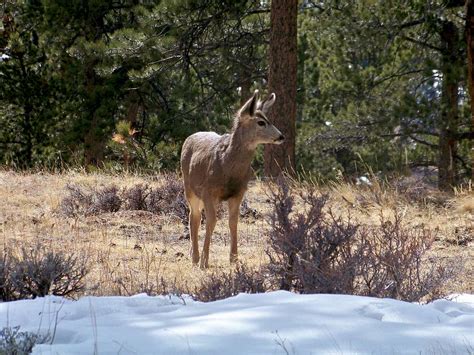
{"x": 211, "y": 218}
{"x": 234, "y": 211}
{"x": 194, "y": 223}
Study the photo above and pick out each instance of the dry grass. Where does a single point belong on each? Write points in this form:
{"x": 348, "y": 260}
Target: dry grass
{"x": 137, "y": 251}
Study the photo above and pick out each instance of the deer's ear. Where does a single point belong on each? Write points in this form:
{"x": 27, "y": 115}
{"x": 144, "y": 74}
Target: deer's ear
{"x": 268, "y": 103}
{"x": 250, "y": 106}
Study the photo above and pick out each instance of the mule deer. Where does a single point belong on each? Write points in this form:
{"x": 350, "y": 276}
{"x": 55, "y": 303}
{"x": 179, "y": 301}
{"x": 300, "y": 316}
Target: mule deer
{"x": 217, "y": 168}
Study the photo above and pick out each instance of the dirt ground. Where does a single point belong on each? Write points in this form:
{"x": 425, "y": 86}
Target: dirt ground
{"x": 138, "y": 251}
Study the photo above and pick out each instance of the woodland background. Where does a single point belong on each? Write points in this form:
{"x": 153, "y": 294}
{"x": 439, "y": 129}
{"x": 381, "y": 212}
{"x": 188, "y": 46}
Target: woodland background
{"x": 373, "y": 86}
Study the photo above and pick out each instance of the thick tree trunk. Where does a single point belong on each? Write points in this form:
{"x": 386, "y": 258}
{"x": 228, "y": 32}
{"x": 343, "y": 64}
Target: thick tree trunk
{"x": 449, "y": 108}
{"x": 94, "y": 146}
{"x": 132, "y": 113}
{"x": 470, "y": 67}
{"x": 94, "y": 140}
{"x": 282, "y": 78}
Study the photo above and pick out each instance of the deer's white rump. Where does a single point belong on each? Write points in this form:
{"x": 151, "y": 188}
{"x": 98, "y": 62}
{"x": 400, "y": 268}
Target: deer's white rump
{"x": 217, "y": 168}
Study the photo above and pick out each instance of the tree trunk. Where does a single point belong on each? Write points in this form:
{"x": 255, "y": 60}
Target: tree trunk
{"x": 449, "y": 108}
{"x": 94, "y": 140}
{"x": 470, "y": 68}
{"x": 282, "y": 78}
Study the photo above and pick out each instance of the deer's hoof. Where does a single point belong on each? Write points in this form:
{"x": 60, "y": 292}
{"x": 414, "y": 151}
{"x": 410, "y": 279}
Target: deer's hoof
{"x": 234, "y": 258}
{"x": 204, "y": 264}
{"x": 194, "y": 256}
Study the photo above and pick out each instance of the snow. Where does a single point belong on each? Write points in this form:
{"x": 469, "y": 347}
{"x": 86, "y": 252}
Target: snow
{"x": 363, "y": 180}
{"x": 272, "y": 323}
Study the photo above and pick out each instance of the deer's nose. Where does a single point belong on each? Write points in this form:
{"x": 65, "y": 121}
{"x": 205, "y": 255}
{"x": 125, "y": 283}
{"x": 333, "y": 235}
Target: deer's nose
{"x": 281, "y": 138}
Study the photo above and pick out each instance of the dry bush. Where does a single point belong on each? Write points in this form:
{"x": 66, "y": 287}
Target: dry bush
{"x": 37, "y": 273}
{"x": 15, "y": 342}
{"x": 126, "y": 286}
{"x": 135, "y": 198}
{"x": 106, "y": 200}
{"x": 7, "y": 289}
{"x": 169, "y": 199}
{"x": 395, "y": 262}
{"x": 220, "y": 285}
{"x": 79, "y": 202}
{"x": 311, "y": 250}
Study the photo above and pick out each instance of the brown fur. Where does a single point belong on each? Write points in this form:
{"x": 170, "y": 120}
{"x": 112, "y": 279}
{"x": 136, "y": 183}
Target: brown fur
{"x": 217, "y": 168}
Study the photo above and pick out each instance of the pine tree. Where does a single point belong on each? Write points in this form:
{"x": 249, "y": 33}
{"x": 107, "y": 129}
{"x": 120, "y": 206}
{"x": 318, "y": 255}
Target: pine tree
{"x": 470, "y": 66}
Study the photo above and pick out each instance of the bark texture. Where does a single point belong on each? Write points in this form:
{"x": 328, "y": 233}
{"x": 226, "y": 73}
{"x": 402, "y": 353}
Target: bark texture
{"x": 449, "y": 108}
{"x": 282, "y": 79}
{"x": 470, "y": 67}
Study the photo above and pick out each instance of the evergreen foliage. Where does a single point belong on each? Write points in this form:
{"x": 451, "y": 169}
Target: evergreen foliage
{"x": 122, "y": 83}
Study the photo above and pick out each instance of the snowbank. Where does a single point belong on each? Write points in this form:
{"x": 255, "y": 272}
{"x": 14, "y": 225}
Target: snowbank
{"x": 271, "y": 323}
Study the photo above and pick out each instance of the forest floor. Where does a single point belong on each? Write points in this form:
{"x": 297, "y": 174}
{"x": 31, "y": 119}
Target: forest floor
{"x": 131, "y": 251}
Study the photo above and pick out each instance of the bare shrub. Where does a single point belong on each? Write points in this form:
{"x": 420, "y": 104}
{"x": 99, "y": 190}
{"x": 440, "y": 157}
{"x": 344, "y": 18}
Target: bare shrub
{"x": 169, "y": 199}
{"x": 7, "y": 289}
{"x": 81, "y": 202}
{"x": 165, "y": 199}
{"x": 106, "y": 200}
{"x": 15, "y": 342}
{"x": 129, "y": 286}
{"x": 135, "y": 197}
{"x": 77, "y": 202}
{"x": 39, "y": 273}
{"x": 220, "y": 285}
{"x": 312, "y": 250}
{"x": 396, "y": 262}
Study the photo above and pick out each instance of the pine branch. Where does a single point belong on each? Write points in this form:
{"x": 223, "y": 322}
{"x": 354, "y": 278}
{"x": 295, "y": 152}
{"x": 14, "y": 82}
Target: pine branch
{"x": 412, "y": 23}
{"x": 421, "y": 43}
{"x": 396, "y": 75}
{"x": 421, "y": 141}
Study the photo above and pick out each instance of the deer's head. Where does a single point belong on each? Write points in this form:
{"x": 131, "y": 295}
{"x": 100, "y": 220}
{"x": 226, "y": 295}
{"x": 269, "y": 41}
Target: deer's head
{"x": 253, "y": 123}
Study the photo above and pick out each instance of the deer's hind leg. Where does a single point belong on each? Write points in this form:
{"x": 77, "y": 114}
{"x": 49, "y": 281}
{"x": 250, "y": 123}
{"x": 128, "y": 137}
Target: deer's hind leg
{"x": 195, "y": 208}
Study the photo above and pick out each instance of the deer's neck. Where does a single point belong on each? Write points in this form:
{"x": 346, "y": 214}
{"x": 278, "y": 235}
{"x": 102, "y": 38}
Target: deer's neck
{"x": 240, "y": 151}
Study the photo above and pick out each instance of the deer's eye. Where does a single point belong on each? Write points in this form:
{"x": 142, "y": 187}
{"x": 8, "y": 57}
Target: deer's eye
{"x": 261, "y": 123}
